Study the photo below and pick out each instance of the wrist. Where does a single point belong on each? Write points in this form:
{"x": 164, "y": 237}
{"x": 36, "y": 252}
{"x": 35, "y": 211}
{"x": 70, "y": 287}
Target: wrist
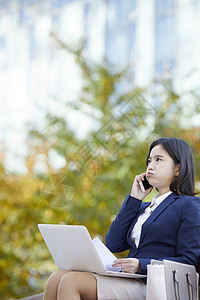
{"x": 137, "y": 196}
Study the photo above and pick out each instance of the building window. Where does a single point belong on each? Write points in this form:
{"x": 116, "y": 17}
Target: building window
{"x": 165, "y": 35}
{"x": 60, "y": 3}
{"x": 120, "y": 31}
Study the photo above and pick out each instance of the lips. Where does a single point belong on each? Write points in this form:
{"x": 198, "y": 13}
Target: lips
{"x": 149, "y": 174}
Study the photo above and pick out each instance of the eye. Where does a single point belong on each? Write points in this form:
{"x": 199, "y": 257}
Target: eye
{"x": 158, "y": 159}
{"x": 148, "y": 161}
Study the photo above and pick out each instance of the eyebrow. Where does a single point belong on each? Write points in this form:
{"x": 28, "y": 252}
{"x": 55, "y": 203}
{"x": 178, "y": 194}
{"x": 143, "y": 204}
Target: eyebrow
{"x": 158, "y": 155}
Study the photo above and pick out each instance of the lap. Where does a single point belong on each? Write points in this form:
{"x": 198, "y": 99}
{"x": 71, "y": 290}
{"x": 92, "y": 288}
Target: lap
{"x": 102, "y": 287}
{"x": 114, "y": 288}
{"x": 82, "y": 282}
{"x": 76, "y": 275}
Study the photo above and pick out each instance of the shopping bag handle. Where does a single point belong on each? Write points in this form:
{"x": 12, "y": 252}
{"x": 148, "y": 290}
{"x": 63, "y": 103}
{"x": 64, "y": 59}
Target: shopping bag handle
{"x": 176, "y": 284}
{"x": 189, "y": 285}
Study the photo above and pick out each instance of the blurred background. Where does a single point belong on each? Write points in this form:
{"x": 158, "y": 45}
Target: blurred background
{"x": 85, "y": 87}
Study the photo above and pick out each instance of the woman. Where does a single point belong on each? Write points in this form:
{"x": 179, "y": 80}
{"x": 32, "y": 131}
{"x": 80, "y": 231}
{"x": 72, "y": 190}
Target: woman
{"x": 166, "y": 228}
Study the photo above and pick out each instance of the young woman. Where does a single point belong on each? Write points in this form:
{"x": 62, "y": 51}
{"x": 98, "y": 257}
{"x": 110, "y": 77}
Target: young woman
{"x": 166, "y": 228}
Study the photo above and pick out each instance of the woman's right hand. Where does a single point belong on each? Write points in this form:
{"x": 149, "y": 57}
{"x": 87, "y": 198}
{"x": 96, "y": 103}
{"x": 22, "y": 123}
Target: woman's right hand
{"x": 136, "y": 190}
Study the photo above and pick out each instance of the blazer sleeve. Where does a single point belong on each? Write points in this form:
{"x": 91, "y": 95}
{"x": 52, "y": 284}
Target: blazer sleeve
{"x": 188, "y": 237}
{"x": 116, "y": 238}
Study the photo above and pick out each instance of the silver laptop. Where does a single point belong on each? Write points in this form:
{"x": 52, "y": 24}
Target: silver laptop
{"x": 73, "y": 249}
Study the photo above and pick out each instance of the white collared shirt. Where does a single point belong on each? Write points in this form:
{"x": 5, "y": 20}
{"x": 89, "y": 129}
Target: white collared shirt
{"x": 136, "y": 231}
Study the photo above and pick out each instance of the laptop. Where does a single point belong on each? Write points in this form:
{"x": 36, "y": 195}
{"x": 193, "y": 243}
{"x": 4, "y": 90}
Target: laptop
{"x": 73, "y": 249}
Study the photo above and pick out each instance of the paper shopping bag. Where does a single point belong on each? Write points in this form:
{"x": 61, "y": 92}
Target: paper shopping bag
{"x": 170, "y": 280}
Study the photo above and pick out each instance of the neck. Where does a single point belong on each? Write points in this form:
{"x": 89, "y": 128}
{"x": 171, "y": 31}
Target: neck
{"x": 163, "y": 191}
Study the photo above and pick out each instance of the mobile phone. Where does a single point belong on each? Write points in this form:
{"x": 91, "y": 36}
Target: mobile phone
{"x": 144, "y": 185}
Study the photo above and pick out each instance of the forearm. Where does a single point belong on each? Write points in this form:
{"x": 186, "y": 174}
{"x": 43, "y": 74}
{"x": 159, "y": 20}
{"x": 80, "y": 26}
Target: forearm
{"x": 117, "y": 235}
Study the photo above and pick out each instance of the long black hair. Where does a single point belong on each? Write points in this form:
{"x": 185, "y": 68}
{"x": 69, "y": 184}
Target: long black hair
{"x": 181, "y": 153}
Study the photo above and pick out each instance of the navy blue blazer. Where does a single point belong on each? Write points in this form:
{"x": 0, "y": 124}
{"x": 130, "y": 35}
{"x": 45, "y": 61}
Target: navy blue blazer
{"x": 171, "y": 232}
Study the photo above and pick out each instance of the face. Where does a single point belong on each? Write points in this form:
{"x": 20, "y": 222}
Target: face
{"x": 161, "y": 169}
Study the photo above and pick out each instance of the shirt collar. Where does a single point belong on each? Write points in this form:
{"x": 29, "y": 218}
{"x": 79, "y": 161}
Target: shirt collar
{"x": 157, "y": 200}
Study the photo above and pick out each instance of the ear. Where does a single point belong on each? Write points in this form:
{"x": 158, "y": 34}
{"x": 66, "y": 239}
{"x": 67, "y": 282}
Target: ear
{"x": 177, "y": 169}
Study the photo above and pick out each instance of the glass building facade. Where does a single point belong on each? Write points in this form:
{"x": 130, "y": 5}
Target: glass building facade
{"x": 152, "y": 36}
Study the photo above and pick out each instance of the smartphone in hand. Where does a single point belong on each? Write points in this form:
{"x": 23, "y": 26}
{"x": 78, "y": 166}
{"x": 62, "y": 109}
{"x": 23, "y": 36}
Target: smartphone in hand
{"x": 144, "y": 185}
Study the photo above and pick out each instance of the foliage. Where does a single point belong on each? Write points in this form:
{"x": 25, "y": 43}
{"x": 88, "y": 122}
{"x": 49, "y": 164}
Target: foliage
{"x": 97, "y": 170}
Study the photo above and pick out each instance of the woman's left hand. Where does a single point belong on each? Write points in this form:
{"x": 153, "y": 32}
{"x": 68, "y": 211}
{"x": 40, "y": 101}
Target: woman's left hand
{"x": 128, "y": 265}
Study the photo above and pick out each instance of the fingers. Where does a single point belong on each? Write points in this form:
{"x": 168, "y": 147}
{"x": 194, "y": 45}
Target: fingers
{"x": 136, "y": 191}
{"x": 128, "y": 265}
{"x": 121, "y": 262}
{"x": 139, "y": 177}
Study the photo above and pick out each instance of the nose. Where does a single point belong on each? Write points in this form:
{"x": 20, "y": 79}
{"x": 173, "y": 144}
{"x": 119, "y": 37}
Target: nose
{"x": 150, "y": 166}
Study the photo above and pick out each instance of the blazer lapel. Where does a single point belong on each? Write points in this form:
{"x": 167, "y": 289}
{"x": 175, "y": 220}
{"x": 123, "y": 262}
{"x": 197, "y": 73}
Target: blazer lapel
{"x": 161, "y": 207}
{"x": 134, "y": 221}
